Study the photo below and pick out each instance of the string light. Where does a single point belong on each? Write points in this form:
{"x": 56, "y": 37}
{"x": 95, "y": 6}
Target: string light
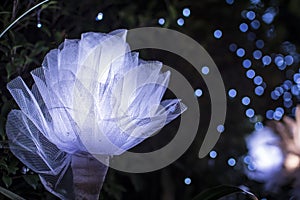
{"x": 99, "y": 16}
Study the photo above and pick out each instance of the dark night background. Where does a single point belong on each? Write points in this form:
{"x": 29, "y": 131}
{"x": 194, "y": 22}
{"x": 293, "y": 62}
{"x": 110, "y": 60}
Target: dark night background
{"x": 23, "y": 47}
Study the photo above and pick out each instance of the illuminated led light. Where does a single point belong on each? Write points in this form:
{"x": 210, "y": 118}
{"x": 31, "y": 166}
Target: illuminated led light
{"x": 220, "y": 128}
{"x": 258, "y": 80}
{"x": 295, "y": 90}
{"x": 231, "y": 162}
{"x": 213, "y": 154}
{"x": 161, "y": 21}
{"x": 39, "y": 25}
{"x": 198, "y": 92}
{"x": 266, "y": 60}
{"x": 289, "y": 59}
{"x": 250, "y": 73}
{"x": 269, "y": 114}
{"x": 186, "y": 12}
{"x": 187, "y": 181}
{"x": 287, "y": 84}
{"x": 232, "y": 93}
{"x": 274, "y": 95}
{"x": 99, "y": 16}
{"x": 268, "y": 17}
{"x": 251, "y": 15}
{"x": 297, "y": 78}
{"x": 180, "y": 22}
{"x": 255, "y": 24}
{"x": 247, "y": 159}
{"x": 246, "y": 101}
{"x": 205, "y": 70}
{"x": 287, "y": 96}
{"x": 279, "y": 61}
{"x": 218, "y": 34}
{"x": 243, "y": 27}
{"x": 247, "y": 63}
{"x": 240, "y": 52}
{"x": 257, "y": 54}
{"x": 277, "y": 115}
{"x": 259, "y": 90}
{"x": 250, "y": 113}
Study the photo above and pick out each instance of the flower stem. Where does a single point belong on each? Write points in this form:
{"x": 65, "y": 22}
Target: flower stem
{"x": 88, "y": 176}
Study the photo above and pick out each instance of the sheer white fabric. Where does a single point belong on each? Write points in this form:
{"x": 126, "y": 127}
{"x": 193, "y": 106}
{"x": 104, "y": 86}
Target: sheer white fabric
{"x": 90, "y": 95}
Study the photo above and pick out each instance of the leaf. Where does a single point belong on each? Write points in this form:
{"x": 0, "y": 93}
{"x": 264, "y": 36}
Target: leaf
{"x": 10, "y": 194}
{"x": 7, "y": 180}
{"x": 32, "y": 180}
{"x": 222, "y": 191}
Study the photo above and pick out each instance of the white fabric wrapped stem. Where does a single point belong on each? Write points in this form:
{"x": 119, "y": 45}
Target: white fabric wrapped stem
{"x": 88, "y": 176}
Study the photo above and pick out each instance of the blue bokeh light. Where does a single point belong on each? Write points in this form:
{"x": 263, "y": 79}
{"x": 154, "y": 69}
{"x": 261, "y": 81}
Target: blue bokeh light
{"x": 250, "y": 113}
{"x": 231, "y": 162}
{"x": 218, "y": 34}
{"x": 259, "y": 90}
{"x": 161, "y": 21}
{"x": 269, "y": 114}
{"x": 257, "y": 54}
{"x": 246, "y": 101}
{"x": 250, "y": 73}
{"x": 198, "y": 92}
{"x": 99, "y": 16}
{"x": 266, "y": 60}
{"x": 213, "y": 154}
{"x": 247, "y": 63}
{"x": 187, "y": 181}
{"x": 287, "y": 84}
{"x": 279, "y": 60}
{"x": 287, "y": 96}
{"x": 255, "y": 24}
{"x": 247, "y": 159}
{"x": 186, "y": 12}
{"x": 243, "y": 27}
{"x": 275, "y": 95}
{"x": 268, "y": 16}
{"x": 277, "y": 115}
{"x": 205, "y": 70}
{"x": 232, "y": 93}
{"x": 240, "y": 52}
{"x": 258, "y": 80}
{"x": 295, "y": 90}
{"x": 180, "y": 22}
{"x": 251, "y": 15}
{"x": 289, "y": 59}
{"x": 297, "y": 78}
{"x": 220, "y": 128}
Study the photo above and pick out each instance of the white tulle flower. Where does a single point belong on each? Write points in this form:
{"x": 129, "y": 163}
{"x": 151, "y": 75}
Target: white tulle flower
{"x": 265, "y": 153}
{"x": 90, "y": 95}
